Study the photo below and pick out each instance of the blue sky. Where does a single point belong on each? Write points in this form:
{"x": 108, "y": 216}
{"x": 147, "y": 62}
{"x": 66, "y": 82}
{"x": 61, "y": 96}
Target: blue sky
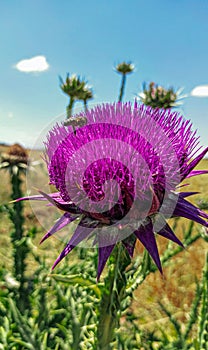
{"x": 167, "y": 40}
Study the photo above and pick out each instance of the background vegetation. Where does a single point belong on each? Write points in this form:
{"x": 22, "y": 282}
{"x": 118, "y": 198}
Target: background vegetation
{"x": 48, "y": 318}
{"x": 60, "y": 310}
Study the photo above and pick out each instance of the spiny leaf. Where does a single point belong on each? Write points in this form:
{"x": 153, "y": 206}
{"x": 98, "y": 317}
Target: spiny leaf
{"x": 22, "y": 342}
{"x": 77, "y": 279}
{"x": 23, "y": 328}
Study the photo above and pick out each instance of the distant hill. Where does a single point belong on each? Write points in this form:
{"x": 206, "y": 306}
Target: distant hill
{"x": 4, "y": 144}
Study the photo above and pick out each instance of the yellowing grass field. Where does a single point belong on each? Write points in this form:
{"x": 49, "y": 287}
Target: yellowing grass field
{"x": 177, "y": 287}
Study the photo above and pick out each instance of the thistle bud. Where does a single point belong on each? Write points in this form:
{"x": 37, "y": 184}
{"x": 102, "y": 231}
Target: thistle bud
{"x": 125, "y": 68}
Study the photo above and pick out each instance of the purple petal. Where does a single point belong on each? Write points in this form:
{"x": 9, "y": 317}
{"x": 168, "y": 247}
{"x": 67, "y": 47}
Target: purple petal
{"x": 129, "y": 244}
{"x": 192, "y": 165}
{"x": 184, "y": 185}
{"x": 103, "y": 255}
{"x": 192, "y": 207}
{"x": 146, "y": 236}
{"x": 62, "y": 222}
{"x": 37, "y": 197}
{"x": 196, "y": 173}
{"x": 187, "y": 194}
{"x": 189, "y": 215}
{"x": 169, "y": 234}
{"x": 70, "y": 207}
{"x": 81, "y": 233}
{"x": 189, "y": 211}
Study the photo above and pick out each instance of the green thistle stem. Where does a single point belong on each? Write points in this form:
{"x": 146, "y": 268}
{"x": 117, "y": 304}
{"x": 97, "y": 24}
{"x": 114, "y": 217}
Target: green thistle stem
{"x": 18, "y": 206}
{"x": 69, "y": 108}
{"x": 112, "y": 296}
{"x": 20, "y": 248}
{"x": 123, "y": 83}
{"x": 85, "y": 105}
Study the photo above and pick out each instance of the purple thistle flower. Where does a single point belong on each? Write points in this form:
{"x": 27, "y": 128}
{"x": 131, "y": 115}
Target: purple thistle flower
{"x": 119, "y": 174}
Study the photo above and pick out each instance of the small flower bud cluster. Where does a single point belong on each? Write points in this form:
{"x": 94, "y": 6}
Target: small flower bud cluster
{"x": 158, "y": 97}
{"x": 125, "y": 68}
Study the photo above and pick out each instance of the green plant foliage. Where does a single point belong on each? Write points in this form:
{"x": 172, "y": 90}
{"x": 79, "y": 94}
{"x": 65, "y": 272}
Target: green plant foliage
{"x": 158, "y": 97}
{"x": 123, "y": 68}
{"x": 77, "y": 89}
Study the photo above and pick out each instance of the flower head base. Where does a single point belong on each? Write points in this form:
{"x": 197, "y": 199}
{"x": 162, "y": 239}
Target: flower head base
{"x": 118, "y": 175}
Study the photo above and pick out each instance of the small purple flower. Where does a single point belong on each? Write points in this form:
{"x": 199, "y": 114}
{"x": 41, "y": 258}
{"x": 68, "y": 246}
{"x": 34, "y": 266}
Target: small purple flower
{"x": 120, "y": 175}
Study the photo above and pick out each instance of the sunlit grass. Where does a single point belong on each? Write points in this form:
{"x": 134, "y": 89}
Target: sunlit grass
{"x": 177, "y": 286}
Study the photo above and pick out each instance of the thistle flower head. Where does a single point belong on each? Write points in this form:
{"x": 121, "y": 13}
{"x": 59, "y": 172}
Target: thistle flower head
{"x": 72, "y": 86}
{"x": 158, "y": 97}
{"x": 118, "y": 174}
{"x": 15, "y": 159}
{"x": 125, "y": 68}
{"x": 86, "y": 94}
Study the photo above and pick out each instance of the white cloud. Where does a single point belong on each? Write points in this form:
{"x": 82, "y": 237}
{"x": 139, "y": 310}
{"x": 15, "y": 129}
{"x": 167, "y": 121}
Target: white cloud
{"x": 200, "y": 91}
{"x": 34, "y": 64}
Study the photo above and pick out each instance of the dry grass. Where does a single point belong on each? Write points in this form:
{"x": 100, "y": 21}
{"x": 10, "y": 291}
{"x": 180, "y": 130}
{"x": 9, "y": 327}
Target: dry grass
{"x": 175, "y": 289}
